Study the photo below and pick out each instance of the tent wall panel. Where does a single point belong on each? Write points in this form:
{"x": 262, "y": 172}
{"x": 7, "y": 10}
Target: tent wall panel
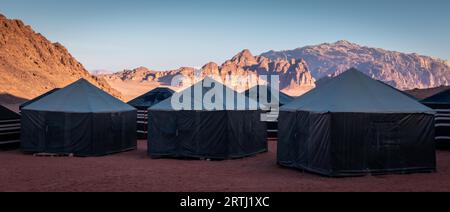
{"x": 379, "y": 143}
{"x": 247, "y": 134}
{"x": 442, "y": 125}
{"x": 162, "y": 134}
{"x": 205, "y": 134}
{"x": 78, "y": 133}
{"x": 9, "y": 126}
{"x": 116, "y": 130}
{"x": 79, "y": 119}
{"x": 10, "y": 131}
{"x": 346, "y": 144}
{"x": 304, "y": 141}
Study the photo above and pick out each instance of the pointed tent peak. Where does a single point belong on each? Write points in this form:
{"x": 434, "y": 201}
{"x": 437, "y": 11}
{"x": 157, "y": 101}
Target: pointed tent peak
{"x": 156, "y": 90}
{"x": 212, "y": 83}
{"x": 152, "y": 97}
{"x": 353, "y": 91}
{"x": 353, "y": 70}
{"x": 283, "y": 98}
{"x": 83, "y": 81}
{"x": 79, "y": 97}
{"x": 353, "y": 74}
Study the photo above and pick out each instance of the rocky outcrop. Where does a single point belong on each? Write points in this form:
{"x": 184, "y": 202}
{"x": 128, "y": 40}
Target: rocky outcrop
{"x": 31, "y": 65}
{"x": 294, "y": 74}
{"x": 404, "y": 71}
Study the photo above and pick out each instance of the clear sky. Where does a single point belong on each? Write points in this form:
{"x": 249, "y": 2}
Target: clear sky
{"x": 165, "y": 34}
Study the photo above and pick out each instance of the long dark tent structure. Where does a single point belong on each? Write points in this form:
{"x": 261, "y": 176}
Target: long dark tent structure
{"x": 9, "y": 126}
{"x": 441, "y": 104}
{"x": 354, "y": 125}
{"x": 142, "y": 103}
{"x": 270, "y": 99}
{"x": 233, "y": 131}
{"x": 79, "y": 119}
{"x": 37, "y": 98}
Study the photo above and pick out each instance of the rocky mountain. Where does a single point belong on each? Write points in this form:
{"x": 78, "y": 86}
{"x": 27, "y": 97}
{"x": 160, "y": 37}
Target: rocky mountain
{"x": 31, "y": 65}
{"x": 404, "y": 71}
{"x": 295, "y": 77}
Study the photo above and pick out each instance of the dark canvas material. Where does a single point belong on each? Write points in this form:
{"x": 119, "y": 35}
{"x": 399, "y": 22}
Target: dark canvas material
{"x": 143, "y": 102}
{"x": 323, "y": 132}
{"x": 217, "y": 134}
{"x": 79, "y": 119}
{"x": 9, "y": 126}
{"x": 441, "y": 105}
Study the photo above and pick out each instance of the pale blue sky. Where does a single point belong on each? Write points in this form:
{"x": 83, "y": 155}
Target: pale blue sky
{"x": 166, "y": 34}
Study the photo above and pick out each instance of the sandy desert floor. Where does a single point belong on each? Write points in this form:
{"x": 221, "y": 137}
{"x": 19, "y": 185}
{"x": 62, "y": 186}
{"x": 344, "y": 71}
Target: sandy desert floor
{"x": 134, "y": 171}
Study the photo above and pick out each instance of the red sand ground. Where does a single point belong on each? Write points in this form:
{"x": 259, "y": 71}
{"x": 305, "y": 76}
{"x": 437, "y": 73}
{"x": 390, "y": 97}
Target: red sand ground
{"x": 134, "y": 171}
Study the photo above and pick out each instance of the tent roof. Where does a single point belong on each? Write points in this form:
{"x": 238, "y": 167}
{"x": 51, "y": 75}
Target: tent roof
{"x": 7, "y": 114}
{"x": 283, "y": 98}
{"x": 166, "y": 105}
{"x": 151, "y": 98}
{"x": 79, "y": 97}
{"x": 440, "y": 98}
{"x": 39, "y": 97}
{"x": 353, "y": 91}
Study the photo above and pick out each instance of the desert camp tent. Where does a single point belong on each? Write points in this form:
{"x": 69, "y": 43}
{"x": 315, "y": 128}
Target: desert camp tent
{"x": 232, "y": 131}
{"x": 9, "y": 126}
{"x": 441, "y": 104}
{"x": 79, "y": 119}
{"x": 37, "y": 98}
{"x": 269, "y": 99}
{"x": 354, "y": 125}
{"x": 142, "y": 103}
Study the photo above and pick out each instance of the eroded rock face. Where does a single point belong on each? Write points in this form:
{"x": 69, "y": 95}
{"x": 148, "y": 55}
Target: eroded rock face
{"x": 404, "y": 71}
{"x": 31, "y": 65}
{"x": 294, "y": 74}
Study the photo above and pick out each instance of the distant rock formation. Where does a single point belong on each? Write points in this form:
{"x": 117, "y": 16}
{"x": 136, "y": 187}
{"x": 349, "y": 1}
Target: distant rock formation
{"x": 294, "y": 74}
{"x": 404, "y": 71}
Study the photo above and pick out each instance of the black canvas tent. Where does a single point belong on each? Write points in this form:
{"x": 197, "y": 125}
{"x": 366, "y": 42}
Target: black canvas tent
{"x": 79, "y": 119}
{"x": 270, "y": 99}
{"x": 9, "y": 126}
{"x": 233, "y": 131}
{"x": 37, "y": 98}
{"x": 143, "y": 102}
{"x": 354, "y": 125}
{"x": 441, "y": 104}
